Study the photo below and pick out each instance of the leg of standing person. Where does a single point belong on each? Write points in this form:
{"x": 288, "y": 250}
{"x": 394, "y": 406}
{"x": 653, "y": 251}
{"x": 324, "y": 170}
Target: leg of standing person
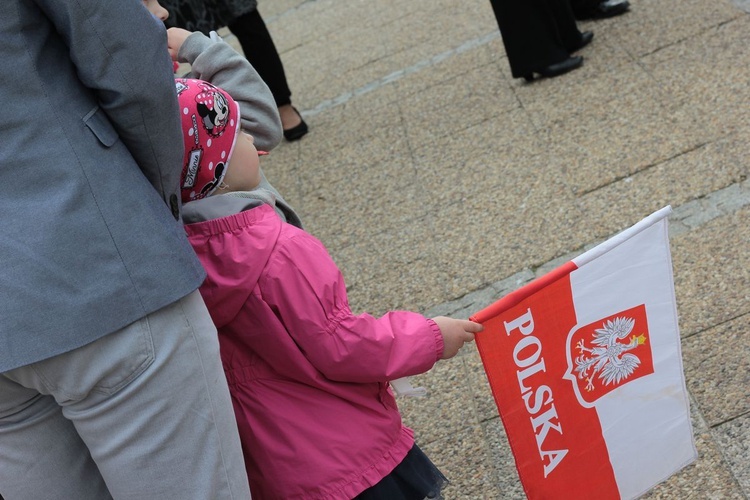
{"x": 571, "y": 38}
{"x": 111, "y": 417}
{"x": 259, "y": 49}
{"x": 538, "y": 36}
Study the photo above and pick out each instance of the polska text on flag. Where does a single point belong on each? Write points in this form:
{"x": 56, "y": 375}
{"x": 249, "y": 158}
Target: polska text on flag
{"x": 585, "y": 367}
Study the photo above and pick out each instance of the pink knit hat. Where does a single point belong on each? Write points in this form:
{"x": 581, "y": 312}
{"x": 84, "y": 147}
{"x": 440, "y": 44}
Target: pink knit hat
{"x": 210, "y": 123}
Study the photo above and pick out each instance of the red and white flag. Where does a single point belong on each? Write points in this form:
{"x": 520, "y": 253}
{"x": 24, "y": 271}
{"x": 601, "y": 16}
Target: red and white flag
{"x": 585, "y": 367}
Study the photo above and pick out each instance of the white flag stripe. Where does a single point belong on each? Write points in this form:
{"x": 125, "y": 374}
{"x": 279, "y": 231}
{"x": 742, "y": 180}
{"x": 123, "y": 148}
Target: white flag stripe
{"x": 617, "y": 239}
{"x": 645, "y": 422}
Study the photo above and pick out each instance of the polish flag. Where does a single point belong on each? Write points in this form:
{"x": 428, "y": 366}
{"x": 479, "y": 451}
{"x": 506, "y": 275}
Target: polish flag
{"x": 585, "y": 367}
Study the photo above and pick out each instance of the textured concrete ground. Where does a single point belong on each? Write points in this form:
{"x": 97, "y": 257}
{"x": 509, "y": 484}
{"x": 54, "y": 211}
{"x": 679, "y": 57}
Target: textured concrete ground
{"x": 439, "y": 183}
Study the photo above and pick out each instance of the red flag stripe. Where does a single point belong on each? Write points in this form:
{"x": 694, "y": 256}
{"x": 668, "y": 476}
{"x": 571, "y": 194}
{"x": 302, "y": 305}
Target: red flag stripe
{"x": 523, "y": 293}
{"x": 557, "y": 443}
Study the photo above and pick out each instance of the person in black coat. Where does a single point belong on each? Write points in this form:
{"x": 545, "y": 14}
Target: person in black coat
{"x": 539, "y": 36}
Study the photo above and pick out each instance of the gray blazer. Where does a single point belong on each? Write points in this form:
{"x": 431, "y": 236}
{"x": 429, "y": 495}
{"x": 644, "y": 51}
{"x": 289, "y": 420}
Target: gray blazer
{"x": 90, "y": 158}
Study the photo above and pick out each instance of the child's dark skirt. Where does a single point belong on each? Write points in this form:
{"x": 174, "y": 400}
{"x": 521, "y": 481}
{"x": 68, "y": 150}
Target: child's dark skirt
{"x": 415, "y": 478}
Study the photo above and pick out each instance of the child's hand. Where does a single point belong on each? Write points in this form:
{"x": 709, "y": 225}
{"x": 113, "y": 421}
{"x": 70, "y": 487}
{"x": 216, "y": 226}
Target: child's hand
{"x": 456, "y": 332}
{"x": 175, "y": 38}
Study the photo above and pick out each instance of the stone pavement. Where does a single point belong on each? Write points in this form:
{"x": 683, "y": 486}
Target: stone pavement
{"x": 439, "y": 183}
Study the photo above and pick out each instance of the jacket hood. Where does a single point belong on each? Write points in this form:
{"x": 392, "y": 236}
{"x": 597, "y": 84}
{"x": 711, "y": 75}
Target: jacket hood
{"x": 230, "y": 203}
{"x": 220, "y": 206}
{"x": 222, "y": 245}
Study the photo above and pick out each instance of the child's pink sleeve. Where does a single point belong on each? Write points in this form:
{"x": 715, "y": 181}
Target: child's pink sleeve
{"x": 308, "y": 293}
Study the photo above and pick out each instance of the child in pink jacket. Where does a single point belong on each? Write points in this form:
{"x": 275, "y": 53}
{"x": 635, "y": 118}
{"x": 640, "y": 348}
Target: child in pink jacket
{"x": 308, "y": 377}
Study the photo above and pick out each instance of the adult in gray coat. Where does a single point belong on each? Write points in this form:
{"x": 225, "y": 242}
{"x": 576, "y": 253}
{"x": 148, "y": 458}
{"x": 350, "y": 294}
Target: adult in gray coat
{"x": 110, "y": 378}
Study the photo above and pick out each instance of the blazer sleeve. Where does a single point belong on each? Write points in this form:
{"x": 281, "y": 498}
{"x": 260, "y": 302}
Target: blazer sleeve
{"x": 307, "y": 291}
{"x": 120, "y": 53}
{"x": 215, "y": 61}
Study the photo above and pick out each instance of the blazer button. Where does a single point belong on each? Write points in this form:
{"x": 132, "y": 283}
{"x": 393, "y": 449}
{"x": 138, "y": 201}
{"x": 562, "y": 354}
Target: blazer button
{"x": 174, "y": 206}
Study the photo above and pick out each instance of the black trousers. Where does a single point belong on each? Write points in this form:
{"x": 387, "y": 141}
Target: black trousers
{"x": 260, "y": 50}
{"x": 536, "y": 33}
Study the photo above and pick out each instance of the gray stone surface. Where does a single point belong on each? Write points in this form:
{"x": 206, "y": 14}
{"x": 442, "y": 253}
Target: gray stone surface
{"x": 717, "y": 370}
{"x": 733, "y": 440}
{"x": 439, "y": 184}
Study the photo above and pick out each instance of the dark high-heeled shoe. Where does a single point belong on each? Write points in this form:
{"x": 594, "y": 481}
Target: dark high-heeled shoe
{"x": 296, "y": 132}
{"x": 556, "y": 69}
{"x": 586, "y": 38}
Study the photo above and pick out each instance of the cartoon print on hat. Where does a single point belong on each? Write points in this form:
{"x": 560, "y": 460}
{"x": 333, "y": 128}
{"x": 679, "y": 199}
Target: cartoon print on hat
{"x": 210, "y": 123}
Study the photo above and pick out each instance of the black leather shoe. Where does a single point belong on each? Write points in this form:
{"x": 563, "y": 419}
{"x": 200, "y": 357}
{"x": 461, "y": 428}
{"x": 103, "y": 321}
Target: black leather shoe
{"x": 296, "y": 132}
{"x": 586, "y": 38}
{"x": 557, "y": 69}
{"x": 604, "y": 9}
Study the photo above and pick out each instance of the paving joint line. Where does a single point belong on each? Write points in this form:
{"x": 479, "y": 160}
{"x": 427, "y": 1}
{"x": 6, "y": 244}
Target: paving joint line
{"x": 641, "y": 170}
{"x": 397, "y": 75}
{"x": 684, "y": 218}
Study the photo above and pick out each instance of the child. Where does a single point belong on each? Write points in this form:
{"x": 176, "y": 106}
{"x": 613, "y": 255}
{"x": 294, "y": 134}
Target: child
{"x": 308, "y": 377}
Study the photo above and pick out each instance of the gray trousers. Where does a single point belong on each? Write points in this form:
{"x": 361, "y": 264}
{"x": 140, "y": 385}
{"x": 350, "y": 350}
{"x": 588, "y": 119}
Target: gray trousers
{"x": 142, "y": 413}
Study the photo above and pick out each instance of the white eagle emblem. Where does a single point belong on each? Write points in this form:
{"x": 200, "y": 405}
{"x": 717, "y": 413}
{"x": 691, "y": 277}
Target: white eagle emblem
{"x": 608, "y": 357}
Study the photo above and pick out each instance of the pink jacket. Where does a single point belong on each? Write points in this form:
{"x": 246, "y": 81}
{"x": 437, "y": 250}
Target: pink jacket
{"x": 308, "y": 378}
